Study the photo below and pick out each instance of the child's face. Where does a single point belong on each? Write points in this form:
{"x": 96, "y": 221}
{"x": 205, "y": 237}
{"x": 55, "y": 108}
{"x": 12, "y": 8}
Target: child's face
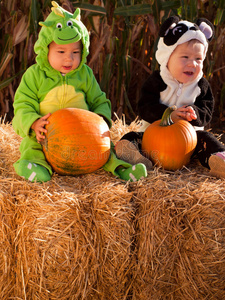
{"x": 64, "y": 58}
{"x": 186, "y": 61}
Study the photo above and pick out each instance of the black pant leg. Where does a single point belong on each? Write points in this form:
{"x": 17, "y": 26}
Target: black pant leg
{"x": 207, "y": 144}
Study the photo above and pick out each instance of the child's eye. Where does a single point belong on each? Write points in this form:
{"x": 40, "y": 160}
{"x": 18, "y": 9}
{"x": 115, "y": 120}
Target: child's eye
{"x": 58, "y": 25}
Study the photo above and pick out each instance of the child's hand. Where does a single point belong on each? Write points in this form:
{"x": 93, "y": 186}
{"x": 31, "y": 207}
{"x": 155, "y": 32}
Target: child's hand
{"x": 39, "y": 127}
{"x": 183, "y": 113}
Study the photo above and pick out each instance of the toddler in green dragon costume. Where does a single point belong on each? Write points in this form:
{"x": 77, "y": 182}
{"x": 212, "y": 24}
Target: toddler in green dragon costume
{"x": 59, "y": 79}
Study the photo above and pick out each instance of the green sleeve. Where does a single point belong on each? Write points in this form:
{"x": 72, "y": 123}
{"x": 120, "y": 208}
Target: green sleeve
{"x": 96, "y": 98}
{"x": 26, "y": 104}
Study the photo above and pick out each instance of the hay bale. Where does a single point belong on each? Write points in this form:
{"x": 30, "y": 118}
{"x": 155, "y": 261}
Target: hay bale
{"x": 180, "y": 248}
{"x": 97, "y": 237}
{"x": 73, "y": 242}
{"x": 7, "y": 250}
{"x": 71, "y": 236}
{"x": 8, "y": 154}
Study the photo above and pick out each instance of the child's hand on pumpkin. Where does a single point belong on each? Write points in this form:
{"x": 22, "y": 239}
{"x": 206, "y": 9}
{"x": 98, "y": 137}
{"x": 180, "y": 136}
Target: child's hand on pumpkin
{"x": 183, "y": 113}
{"x": 39, "y": 127}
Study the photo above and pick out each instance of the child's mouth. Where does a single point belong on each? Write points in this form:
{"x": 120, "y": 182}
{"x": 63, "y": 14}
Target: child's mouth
{"x": 67, "y": 68}
{"x": 188, "y": 73}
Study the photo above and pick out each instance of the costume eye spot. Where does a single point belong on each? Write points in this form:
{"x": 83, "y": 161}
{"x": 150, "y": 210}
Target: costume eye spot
{"x": 58, "y": 25}
{"x": 177, "y": 28}
{"x": 69, "y": 23}
{"x": 174, "y": 34}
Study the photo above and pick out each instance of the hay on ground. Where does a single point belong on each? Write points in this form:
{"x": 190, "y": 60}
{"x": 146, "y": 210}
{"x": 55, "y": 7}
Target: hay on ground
{"x": 97, "y": 237}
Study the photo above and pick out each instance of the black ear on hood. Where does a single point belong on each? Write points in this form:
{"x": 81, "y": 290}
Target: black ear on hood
{"x": 206, "y": 28}
{"x": 166, "y": 25}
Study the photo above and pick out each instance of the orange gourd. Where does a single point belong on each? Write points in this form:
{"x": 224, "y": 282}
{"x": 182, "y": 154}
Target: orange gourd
{"x": 77, "y": 141}
{"x": 169, "y": 145}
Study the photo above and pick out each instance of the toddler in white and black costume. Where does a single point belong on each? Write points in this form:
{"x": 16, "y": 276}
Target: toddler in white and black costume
{"x": 182, "y": 48}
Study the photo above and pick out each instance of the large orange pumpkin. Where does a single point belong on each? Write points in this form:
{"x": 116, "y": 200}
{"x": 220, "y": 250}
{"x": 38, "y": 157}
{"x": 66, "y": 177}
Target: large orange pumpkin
{"x": 169, "y": 145}
{"x": 77, "y": 142}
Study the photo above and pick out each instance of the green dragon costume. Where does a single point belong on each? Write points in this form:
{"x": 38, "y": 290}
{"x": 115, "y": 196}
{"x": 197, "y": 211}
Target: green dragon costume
{"x": 44, "y": 89}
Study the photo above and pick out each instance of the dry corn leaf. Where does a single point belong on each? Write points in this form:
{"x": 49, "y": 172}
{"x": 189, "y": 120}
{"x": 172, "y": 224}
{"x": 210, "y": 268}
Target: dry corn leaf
{"x": 20, "y": 31}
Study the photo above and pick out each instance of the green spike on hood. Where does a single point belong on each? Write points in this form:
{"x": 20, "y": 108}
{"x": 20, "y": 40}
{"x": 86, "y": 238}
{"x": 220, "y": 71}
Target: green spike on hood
{"x": 62, "y": 27}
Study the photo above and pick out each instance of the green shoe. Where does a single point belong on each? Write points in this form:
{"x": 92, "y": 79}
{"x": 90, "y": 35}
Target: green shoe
{"x": 133, "y": 173}
{"x": 32, "y": 171}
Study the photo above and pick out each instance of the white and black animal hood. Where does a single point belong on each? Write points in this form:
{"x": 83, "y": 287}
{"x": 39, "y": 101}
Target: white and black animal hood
{"x": 173, "y": 33}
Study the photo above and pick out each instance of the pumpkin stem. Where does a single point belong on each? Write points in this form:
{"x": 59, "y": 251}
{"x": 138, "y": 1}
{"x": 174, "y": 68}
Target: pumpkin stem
{"x": 166, "y": 121}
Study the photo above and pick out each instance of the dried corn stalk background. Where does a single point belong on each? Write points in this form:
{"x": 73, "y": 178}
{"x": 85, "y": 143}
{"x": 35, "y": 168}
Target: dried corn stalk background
{"x": 123, "y": 36}
{"x": 98, "y": 237}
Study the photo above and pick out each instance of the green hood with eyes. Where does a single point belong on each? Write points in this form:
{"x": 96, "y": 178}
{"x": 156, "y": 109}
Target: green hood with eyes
{"x": 62, "y": 27}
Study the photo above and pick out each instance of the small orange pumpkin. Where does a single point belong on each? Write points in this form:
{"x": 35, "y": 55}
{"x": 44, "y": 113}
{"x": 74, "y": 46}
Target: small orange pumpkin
{"x": 169, "y": 145}
{"x": 77, "y": 141}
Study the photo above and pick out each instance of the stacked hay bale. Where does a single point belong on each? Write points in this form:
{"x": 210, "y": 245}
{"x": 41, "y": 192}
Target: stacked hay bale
{"x": 8, "y": 230}
{"x": 7, "y": 253}
{"x": 97, "y": 237}
{"x": 181, "y": 238}
{"x": 69, "y": 238}
{"x": 73, "y": 242}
